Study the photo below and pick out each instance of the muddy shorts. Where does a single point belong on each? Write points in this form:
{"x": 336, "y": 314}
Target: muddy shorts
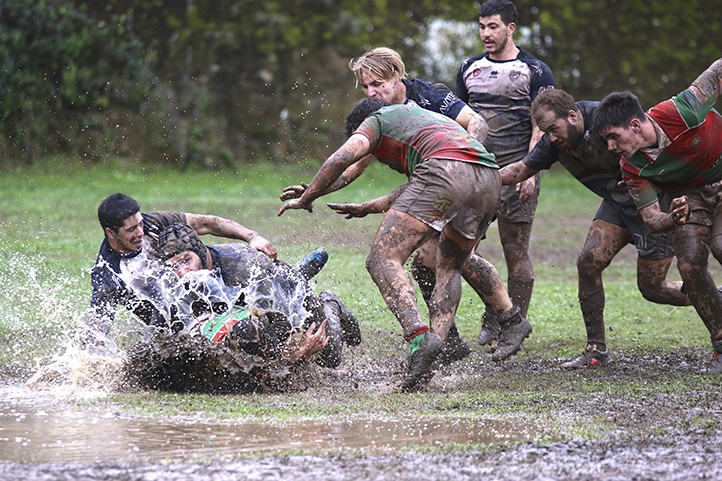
{"x": 705, "y": 206}
{"x": 650, "y": 245}
{"x": 511, "y": 209}
{"x": 462, "y": 194}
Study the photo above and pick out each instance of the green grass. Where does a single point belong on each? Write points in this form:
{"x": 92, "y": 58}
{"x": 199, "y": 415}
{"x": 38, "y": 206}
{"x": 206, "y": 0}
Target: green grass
{"x": 48, "y": 218}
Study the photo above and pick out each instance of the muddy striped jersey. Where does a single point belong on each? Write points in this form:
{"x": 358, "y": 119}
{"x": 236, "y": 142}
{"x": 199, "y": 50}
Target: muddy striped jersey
{"x": 502, "y": 92}
{"x": 689, "y": 151}
{"x": 403, "y": 136}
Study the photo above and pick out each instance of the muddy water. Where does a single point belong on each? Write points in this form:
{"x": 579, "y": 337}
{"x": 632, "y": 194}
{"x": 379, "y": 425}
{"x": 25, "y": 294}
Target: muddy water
{"x": 36, "y": 431}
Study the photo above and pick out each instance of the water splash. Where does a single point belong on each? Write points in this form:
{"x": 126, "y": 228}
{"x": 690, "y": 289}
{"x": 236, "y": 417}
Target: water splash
{"x": 44, "y": 321}
{"x": 281, "y": 291}
{"x": 43, "y": 314}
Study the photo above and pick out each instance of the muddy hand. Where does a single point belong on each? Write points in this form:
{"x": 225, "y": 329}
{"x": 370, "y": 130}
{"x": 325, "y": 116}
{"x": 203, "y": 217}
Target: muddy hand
{"x": 349, "y": 210}
{"x": 293, "y": 191}
{"x": 679, "y": 208}
{"x": 263, "y": 245}
{"x": 314, "y": 342}
{"x": 525, "y": 188}
{"x": 295, "y": 204}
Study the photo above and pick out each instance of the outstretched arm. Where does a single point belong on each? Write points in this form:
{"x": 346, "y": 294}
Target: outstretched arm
{"x": 709, "y": 82}
{"x": 222, "y": 227}
{"x": 374, "y": 206}
{"x": 349, "y": 175}
{"x": 515, "y": 173}
{"x": 356, "y": 147}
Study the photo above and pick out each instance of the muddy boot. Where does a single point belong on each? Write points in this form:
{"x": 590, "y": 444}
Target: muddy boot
{"x": 426, "y": 348}
{"x": 349, "y": 324}
{"x": 312, "y": 263}
{"x": 593, "y": 355}
{"x": 489, "y": 327}
{"x": 455, "y": 348}
{"x": 514, "y": 329}
{"x": 714, "y": 365}
{"x": 330, "y": 356}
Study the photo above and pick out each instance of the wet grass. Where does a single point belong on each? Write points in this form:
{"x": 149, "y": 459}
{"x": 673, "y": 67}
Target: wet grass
{"x": 48, "y": 220}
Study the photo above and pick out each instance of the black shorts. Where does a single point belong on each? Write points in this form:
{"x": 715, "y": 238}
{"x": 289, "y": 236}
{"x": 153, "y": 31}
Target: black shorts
{"x": 511, "y": 209}
{"x": 650, "y": 245}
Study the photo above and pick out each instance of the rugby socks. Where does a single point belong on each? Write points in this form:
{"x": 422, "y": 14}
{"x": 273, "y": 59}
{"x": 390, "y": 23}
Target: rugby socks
{"x": 416, "y": 339}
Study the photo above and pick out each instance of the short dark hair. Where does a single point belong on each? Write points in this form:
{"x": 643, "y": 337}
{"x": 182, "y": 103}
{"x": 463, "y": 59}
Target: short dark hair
{"x": 113, "y": 211}
{"x": 504, "y": 8}
{"x": 360, "y": 111}
{"x": 616, "y": 110}
{"x": 556, "y": 101}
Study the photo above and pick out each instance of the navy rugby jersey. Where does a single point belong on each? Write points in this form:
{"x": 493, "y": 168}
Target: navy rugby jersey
{"x": 502, "y": 93}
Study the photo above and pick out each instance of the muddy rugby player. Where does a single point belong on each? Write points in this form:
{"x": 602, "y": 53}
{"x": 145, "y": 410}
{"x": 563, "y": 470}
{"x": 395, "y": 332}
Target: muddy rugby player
{"x": 381, "y": 73}
{"x": 452, "y": 189}
{"x": 676, "y": 146}
{"x": 127, "y": 246}
{"x": 328, "y": 325}
{"x": 500, "y": 84}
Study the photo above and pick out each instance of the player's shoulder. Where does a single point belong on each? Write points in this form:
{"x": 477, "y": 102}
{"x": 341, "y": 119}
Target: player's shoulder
{"x": 471, "y": 60}
{"x": 531, "y": 60}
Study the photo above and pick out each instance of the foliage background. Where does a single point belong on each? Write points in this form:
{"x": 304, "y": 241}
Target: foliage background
{"x": 218, "y": 84}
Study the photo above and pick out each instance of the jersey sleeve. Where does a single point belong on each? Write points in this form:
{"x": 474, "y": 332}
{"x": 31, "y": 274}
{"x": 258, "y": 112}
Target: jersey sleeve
{"x": 435, "y": 97}
{"x": 371, "y": 129}
{"x": 542, "y": 156}
{"x": 461, "y": 91}
{"x": 691, "y": 109}
{"x": 542, "y": 78}
{"x": 642, "y": 190}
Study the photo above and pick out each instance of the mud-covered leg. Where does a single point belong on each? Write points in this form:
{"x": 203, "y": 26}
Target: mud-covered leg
{"x": 515, "y": 243}
{"x": 398, "y": 236}
{"x": 692, "y": 257}
{"x": 654, "y": 286}
{"x": 604, "y": 241}
{"x": 483, "y": 277}
{"x": 349, "y": 324}
{"x": 455, "y": 348}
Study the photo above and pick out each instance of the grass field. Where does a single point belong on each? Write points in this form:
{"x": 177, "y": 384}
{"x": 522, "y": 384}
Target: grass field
{"x": 51, "y": 236}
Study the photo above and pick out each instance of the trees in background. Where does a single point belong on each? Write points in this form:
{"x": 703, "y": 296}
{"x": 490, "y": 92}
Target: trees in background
{"x": 60, "y": 71}
{"x": 215, "y": 83}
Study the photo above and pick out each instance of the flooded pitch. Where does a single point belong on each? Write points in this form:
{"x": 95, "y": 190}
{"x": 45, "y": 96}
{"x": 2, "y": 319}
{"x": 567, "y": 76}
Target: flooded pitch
{"x": 35, "y": 431}
{"x": 667, "y": 436}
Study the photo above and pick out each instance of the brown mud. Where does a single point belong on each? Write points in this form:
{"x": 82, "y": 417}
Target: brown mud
{"x": 645, "y": 433}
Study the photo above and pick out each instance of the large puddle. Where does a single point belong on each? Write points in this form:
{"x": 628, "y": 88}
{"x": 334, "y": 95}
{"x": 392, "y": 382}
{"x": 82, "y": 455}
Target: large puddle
{"x": 34, "y": 431}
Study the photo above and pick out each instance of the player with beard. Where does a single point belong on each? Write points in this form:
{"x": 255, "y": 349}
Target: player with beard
{"x": 566, "y": 140}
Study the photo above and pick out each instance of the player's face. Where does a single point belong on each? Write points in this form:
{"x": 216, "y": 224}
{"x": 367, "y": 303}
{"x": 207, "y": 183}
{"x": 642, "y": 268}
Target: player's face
{"x": 621, "y": 140}
{"x": 494, "y": 34}
{"x": 129, "y": 236}
{"x": 562, "y": 131}
{"x": 377, "y": 88}
{"x": 184, "y": 262}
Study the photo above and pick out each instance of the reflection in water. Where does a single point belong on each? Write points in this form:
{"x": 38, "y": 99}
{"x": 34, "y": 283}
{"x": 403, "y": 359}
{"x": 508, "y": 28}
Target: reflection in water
{"x": 37, "y": 432}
